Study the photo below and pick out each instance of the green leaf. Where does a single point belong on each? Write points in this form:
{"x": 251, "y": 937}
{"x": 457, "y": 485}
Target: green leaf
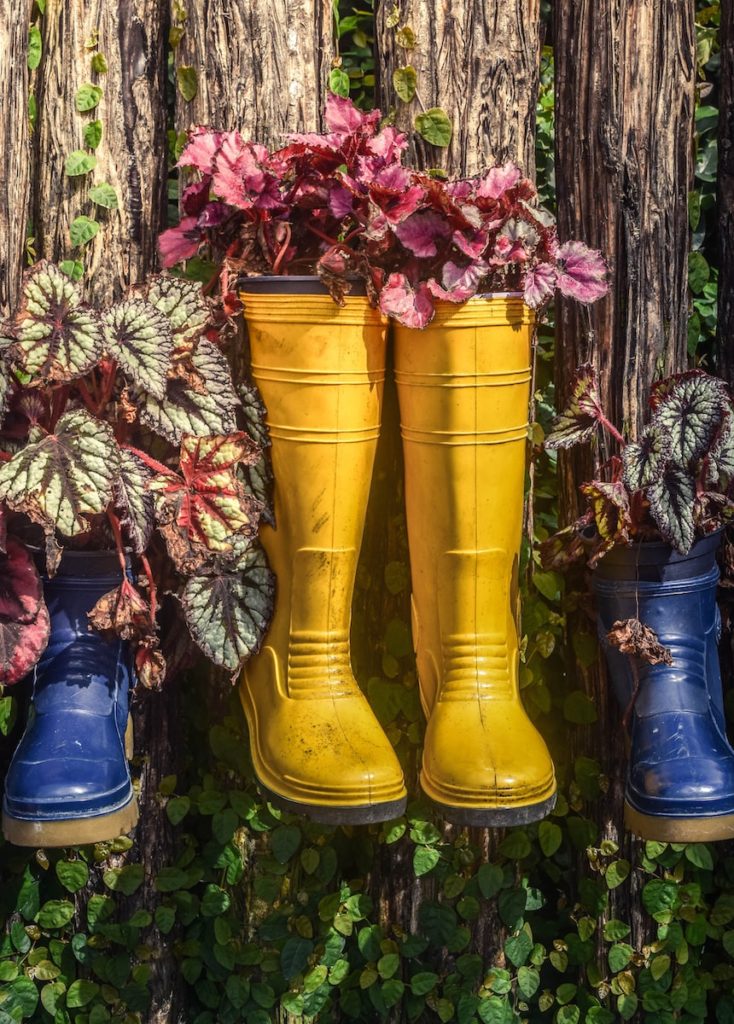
{"x": 35, "y": 47}
{"x": 405, "y": 37}
{"x": 284, "y": 842}
{"x": 99, "y": 64}
{"x": 700, "y": 856}
{"x": 579, "y": 708}
{"x": 188, "y": 83}
{"x": 78, "y": 163}
{"x": 227, "y": 614}
{"x": 581, "y": 416}
{"x": 20, "y": 999}
{"x": 92, "y": 134}
{"x": 215, "y": 901}
{"x": 490, "y": 878}
{"x": 8, "y": 712}
{"x": 516, "y": 845}
{"x": 528, "y": 982}
{"x": 387, "y": 965}
{"x": 55, "y": 914}
{"x": 645, "y": 460}
{"x": 699, "y": 272}
{"x": 80, "y": 993}
{"x": 177, "y": 808}
{"x": 425, "y": 859}
{"x": 165, "y": 918}
{"x": 72, "y": 874}
{"x": 82, "y": 230}
{"x": 434, "y": 126}
{"x": 423, "y": 982}
{"x": 627, "y": 1005}
{"x": 619, "y": 956}
{"x": 616, "y": 873}
{"x": 67, "y": 475}
{"x": 518, "y": 948}
{"x": 722, "y": 911}
{"x": 294, "y": 956}
{"x": 74, "y": 269}
{"x": 104, "y": 195}
{"x": 87, "y": 97}
{"x": 550, "y": 837}
{"x": 659, "y": 897}
{"x": 339, "y": 82}
{"x": 658, "y": 966}
{"x": 404, "y": 82}
{"x": 139, "y": 337}
{"x": 50, "y": 995}
{"x": 127, "y": 879}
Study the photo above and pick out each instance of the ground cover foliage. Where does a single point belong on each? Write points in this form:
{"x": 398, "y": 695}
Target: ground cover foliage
{"x": 272, "y": 918}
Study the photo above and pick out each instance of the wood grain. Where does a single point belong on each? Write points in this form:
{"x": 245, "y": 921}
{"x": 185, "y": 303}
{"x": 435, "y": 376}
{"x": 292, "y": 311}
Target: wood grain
{"x": 725, "y": 328}
{"x": 479, "y": 62}
{"x": 14, "y": 153}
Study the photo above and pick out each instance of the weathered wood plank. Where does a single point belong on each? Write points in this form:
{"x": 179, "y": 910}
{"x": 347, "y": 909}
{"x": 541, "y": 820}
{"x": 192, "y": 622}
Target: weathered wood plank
{"x": 479, "y": 62}
{"x": 14, "y": 152}
{"x": 725, "y": 333}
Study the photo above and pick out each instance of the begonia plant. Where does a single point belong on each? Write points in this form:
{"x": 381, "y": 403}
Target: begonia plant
{"x": 342, "y": 205}
{"x": 674, "y": 482}
{"x": 120, "y": 428}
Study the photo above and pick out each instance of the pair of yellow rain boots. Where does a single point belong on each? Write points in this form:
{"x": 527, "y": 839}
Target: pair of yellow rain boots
{"x": 463, "y": 386}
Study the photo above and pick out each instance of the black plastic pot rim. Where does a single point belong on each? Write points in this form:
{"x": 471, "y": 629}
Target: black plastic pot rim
{"x": 657, "y": 560}
{"x": 83, "y": 563}
{"x": 310, "y": 284}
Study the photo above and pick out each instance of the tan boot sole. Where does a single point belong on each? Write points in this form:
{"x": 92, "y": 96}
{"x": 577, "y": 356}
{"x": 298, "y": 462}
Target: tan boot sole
{"x": 679, "y": 830}
{"x": 70, "y": 831}
{"x": 129, "y": 739}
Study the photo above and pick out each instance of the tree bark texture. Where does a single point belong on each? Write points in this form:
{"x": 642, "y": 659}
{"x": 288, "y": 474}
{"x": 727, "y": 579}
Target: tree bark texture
{"x": 132, "y": 155}
{"x": 477, "y": 60}
{"x": 14, "y": 156}
{"x": 260, "y": 67}
{"x": 625, "y": 77}
{"x": 725, "y": 349}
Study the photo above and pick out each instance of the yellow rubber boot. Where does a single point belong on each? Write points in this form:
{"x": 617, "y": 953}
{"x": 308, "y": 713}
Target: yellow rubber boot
{"x": 316, "y": 744}
{"x": 463, "y": 386}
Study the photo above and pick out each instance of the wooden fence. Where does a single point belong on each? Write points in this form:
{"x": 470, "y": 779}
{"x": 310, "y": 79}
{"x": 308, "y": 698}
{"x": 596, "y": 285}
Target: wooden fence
{"x": 625, "y": 91}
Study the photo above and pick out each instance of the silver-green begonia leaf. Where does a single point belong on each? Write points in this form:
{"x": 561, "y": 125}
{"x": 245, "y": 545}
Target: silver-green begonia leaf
{"x": 134, "y": 501}
{"x": 184, "y": 305}
{"x": 139, "y": 337}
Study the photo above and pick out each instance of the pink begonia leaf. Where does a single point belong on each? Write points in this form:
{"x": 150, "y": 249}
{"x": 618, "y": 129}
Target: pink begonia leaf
{"x": 499, "y": 180}
{"x": 410, "y": 307}
{"x": 397, "y": 207}
{"x": 342, "y": 115}
{"x": 179, "y": 243}
{"x": 20, "y": 584}
{"x": 214, "y": 214}
{"x": 394, "y": 178}
{"x": 472, "y": 247}
{"x": 422, "y": 232}
{"x": 201, "y": 148}
{"x": 196, "y": 196}
{"x": 239, "y": 177}
{"x": 508, "y": 250}
{"x": 540, "y": 283}
{"x": 21, "y": 645}
{"x": 459, "y": 283}
{"x": 582, "y": 272}
{"x": 461, "y": 189}
{"x": 389, "y": 144}
{"x": 341, "y": 202}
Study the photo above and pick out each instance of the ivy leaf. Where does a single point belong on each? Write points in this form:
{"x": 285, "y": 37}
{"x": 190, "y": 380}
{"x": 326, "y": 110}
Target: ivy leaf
{"x": 208, "y": 506}
{"x": 185, "y": 306}
{"x": 133, "y": 500}
{"x": 82, "y": 230}
{"x": 87, "y": 97}
{"x": 64, "y": 476}
{"x": 339, "y": 82}
{"x": 59, "y": 338}
{"x": 645, "y": 460}
{"x": 690, "y": 411}
{"x": 227, "y": 614}
{"x": 104, "y": 195}
{"x": 186, "y": 411}
{"x": 139, "y": 337}
{"x": 92, "y": 135}
{"x": 35, "y": 47}
{"x": 580, "y": 418}
{"x": 404, "y": 82}
{"x": 21, "y": 645}
{"x": 79, "y": 163}
{"x": 434, "y": 126}
{"x": 671, "y": 500}
{"x": 188, "y": 83}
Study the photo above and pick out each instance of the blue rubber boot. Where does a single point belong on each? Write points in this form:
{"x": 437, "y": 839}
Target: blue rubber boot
{"x": 680, "y": 782}
{"x": 69, "y": 781}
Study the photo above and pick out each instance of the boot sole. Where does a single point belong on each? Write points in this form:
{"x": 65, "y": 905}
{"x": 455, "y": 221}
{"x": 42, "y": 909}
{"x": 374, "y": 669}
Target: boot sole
{"x": 496, "y": 817}
{"x": 679, "y": 830}
{"x": 70, "y": 831}
{"x": 362, "y": 814}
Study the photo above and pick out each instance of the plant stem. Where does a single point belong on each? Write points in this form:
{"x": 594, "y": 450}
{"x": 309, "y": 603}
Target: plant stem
{"x": 153, "y": 593}
{"x": 611, "y": 429}
{"x": 119, "y": 544}
{"x": 149, "y": 461}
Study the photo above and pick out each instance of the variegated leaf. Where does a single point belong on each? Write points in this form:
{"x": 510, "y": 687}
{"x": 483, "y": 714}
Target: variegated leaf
{"x": 690, "y": 413}
{"x": 672, "y": 499}
{"x": 208, "y": 506}
{"x": 64, "y": 476}
{"x": 228, "y": 614}
{"x": 184, "y": 305}
{"x": 646, "y": 459}
{"x": 185, "y": 411}
{"x": 259, "y": 481}
{"x": 720, "y": 456}
{"x": 133, "y": 500}
{"x": 139, "y": 337}
{"x": 609, "y": 503}
{"x": 254, "y": 413}
{"x": 580, "y": 418}
{"x": 258, "y": 477}
{"x": 21, "y": 645}
{"x": 7, "y": 340}
{"x": 59, "y": 338}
